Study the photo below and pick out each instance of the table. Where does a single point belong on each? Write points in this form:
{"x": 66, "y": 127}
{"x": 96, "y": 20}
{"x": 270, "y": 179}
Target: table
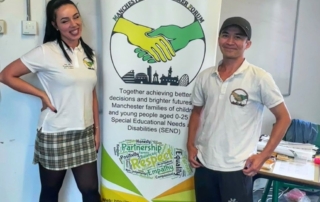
{"x": 277, "y": 178}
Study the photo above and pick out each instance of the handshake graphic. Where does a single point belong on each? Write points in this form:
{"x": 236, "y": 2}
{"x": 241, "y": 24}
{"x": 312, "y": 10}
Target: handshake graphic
{"x": 161, "y": 44}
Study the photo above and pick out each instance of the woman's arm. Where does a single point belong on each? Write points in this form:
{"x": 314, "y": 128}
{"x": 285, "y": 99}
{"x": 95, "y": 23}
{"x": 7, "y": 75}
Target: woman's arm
{"x": 96, "y": 120}
{"x": 11, "y": 77}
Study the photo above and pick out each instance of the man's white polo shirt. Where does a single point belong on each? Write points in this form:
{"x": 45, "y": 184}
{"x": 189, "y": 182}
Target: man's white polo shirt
{"x": 69, "y": 86}
{"x": 232, "y": 114}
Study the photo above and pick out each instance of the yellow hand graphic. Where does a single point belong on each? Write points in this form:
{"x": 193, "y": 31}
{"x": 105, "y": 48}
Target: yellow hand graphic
{"x": 157, "y": 46}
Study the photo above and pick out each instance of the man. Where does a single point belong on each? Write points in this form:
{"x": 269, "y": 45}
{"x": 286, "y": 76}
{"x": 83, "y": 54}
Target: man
{"x": 226, "y": 120}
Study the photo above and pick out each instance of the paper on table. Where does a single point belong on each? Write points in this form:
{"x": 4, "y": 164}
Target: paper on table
{"x": 293, "y": 152}
{"x": 303, "y": 171}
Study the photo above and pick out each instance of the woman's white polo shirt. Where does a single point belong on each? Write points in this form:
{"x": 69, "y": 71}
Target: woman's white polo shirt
{"x": 69, "y": 86}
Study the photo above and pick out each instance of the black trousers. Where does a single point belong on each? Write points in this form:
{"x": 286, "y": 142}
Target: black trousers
{"x": 217, "y": 186}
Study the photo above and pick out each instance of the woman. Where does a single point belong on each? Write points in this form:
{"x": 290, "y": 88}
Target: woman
{"x": 68, "y": 130}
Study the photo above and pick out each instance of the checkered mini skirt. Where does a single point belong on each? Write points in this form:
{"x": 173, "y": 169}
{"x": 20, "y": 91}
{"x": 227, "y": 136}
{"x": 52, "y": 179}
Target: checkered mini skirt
{"x": 64, "y": 150}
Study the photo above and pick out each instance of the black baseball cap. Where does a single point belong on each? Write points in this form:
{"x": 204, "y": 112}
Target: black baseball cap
{"x": 238, "y": 21}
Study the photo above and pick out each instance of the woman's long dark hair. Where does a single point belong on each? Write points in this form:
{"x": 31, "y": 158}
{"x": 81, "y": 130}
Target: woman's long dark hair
{"x": 52, "y": 34}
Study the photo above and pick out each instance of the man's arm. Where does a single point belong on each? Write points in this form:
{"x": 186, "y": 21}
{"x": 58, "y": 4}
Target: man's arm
{"x": 192, "y": 132}
{"x": 255, "y": 162}
{"x": 279, "y": 129}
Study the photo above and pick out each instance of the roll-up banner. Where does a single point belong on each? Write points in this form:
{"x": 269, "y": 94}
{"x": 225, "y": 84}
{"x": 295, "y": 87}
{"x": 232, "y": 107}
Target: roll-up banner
{"x": 153, "y": 51}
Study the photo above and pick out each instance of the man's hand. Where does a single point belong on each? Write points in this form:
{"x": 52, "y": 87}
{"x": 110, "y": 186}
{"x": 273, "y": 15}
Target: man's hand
{"x": 254, "y": 164}
{"x": 192, "y": 157}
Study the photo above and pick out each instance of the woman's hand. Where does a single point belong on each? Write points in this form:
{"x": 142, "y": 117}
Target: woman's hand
{"x": 97, "y": 138}
{"x": 46, "y": 103}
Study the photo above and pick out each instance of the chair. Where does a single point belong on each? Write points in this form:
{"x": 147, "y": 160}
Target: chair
{"x": 277, "y": 184}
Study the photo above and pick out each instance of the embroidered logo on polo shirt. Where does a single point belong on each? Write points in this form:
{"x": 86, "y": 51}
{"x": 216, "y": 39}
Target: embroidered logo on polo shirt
{"x": 232, "y": 200}
{"x": 239, "y": 97}
{"x": 68, "y": 66}
{"x": 88, "y": 63}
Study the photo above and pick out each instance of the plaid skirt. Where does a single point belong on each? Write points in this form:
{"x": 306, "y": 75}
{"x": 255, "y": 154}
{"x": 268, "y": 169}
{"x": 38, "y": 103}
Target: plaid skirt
{"x": 64, "y": 150}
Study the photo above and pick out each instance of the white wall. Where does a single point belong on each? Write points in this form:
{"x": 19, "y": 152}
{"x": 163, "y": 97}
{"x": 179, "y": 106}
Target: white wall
{"x": 303, "y": 102}
{"x": 19, "y": 180}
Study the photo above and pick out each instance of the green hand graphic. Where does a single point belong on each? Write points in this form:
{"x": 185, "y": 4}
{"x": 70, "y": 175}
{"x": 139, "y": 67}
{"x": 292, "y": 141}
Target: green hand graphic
{"x": 158, "y": 47}
{"x": 179, "y": 38}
